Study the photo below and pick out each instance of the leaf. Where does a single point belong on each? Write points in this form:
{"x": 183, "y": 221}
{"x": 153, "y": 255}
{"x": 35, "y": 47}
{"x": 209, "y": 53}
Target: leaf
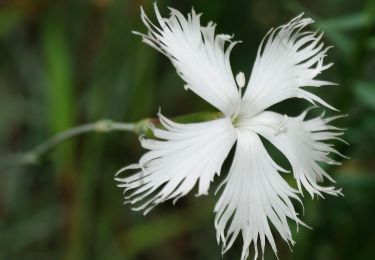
{"x": 344, "y": 23}
{"x": 365, "y": 92}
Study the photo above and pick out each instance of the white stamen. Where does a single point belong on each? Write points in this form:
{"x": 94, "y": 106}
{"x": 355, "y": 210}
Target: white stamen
{"x": 281, "y": 126}
{"x": 240, "y": 79}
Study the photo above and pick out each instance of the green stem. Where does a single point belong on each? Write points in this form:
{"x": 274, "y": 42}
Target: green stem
{"x": 101, "y": 126}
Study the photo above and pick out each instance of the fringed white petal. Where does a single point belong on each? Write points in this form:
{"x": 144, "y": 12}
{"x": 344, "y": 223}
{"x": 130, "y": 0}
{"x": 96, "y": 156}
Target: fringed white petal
{"x": 254, "y": 196}
{"x": 304, "y": 144}
{"x": 288, "y": 59}
{"x": 199, "y": 56}
{"x": 182, "y": 155}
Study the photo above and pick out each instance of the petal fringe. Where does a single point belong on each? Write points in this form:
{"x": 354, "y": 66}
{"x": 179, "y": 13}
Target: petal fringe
{"x": 305, "y": 143}
{"x": 254, "y": 196}
{"x": 183, "y": 155}
{"x": 288, "y": 59}
{"x": 199, "y": 56}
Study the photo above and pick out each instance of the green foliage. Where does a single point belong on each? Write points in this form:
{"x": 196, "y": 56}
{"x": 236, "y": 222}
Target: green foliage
{"x": 65, "y": 63}
{"x": 365, "y": 93}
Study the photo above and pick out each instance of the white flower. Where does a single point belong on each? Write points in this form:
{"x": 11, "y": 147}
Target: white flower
{"x": 182, "y": 155}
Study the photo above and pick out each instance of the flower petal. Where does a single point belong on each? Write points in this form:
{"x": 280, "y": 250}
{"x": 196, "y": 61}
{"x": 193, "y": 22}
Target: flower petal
{"x": 198, "y": 55}
{"x": 290, "y": 59}
{"x": 182, "y": 155}
{"x": 303, "y": 142}
{"x": 255, "y": 194}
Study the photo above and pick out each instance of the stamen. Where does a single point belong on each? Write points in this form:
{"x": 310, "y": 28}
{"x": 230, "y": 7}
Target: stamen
{"x": 281, "y": 126}
{"x": 240, "y": 79}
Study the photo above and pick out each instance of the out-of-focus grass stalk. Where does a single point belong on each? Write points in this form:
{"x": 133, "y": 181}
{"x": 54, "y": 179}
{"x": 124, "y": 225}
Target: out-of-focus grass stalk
{"x": 358, "y": 55}
{"x": 60, "y": 108}
{"x": 59, "y": 82}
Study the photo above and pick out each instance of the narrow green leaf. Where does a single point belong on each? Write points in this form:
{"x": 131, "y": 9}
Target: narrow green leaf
{"x": 365, "y": 93}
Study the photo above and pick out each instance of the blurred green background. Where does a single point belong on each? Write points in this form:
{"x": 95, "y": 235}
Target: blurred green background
{"x": 64, "y": 63}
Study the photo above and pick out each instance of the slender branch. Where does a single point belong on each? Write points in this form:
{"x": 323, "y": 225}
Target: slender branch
{"x": 101, "y": 126}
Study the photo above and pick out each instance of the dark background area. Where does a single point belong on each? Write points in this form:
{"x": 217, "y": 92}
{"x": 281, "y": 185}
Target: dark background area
{"x": 64, "y": 63}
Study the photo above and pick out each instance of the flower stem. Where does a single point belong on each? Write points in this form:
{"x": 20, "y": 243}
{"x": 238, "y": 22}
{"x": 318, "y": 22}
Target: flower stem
{"x": 101, "y": 126}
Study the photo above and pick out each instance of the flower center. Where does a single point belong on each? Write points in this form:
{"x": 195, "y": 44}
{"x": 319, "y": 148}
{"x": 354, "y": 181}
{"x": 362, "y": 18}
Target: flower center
{"x": 278, "y": 127}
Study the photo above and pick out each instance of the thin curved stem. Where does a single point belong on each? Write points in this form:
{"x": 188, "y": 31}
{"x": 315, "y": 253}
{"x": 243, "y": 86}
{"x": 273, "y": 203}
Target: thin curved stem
{"x": 101, "y": 126}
